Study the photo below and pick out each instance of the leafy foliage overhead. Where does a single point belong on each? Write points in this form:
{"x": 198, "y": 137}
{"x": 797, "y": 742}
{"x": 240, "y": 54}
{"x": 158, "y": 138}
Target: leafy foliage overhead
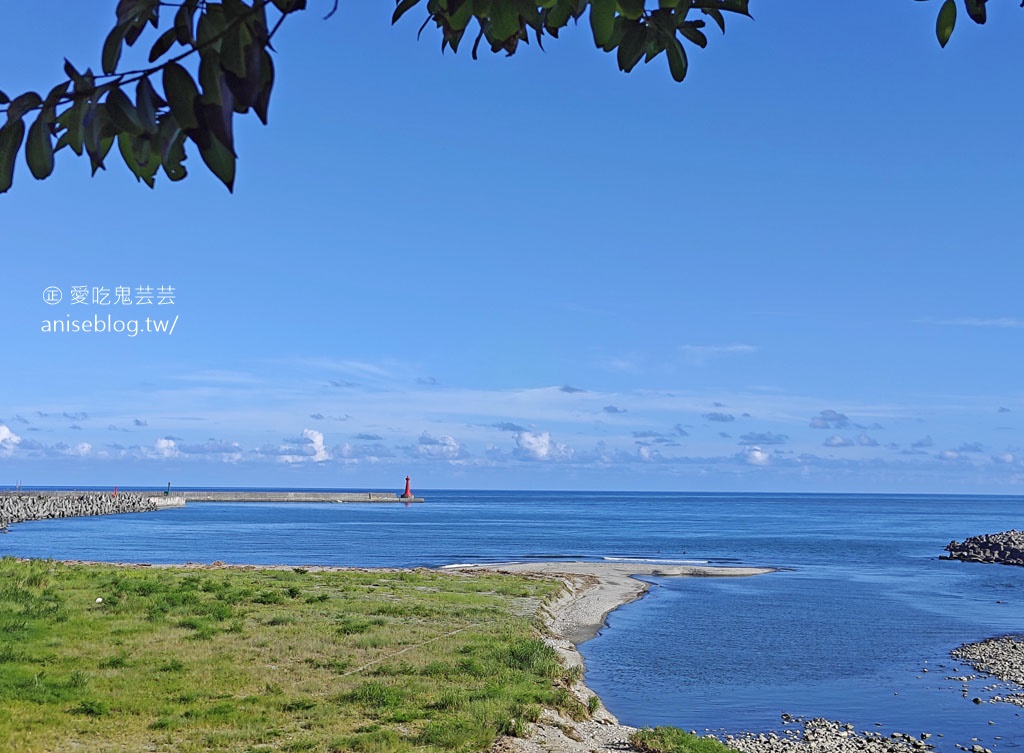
{"x": 211, "y": 60}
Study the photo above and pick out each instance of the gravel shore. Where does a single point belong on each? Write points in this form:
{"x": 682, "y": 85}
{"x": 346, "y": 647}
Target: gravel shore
{"x": 1000, "y": 657}
{"x": 825, "y": 736}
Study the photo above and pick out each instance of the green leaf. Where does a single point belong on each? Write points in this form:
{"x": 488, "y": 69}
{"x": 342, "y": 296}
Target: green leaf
{"x": 210, "y": 73}
{"x": 172, "y": 149}
{"x": 11, "y": 136}
{"x": 945, "y": 22}
{"x": 221, "y": 162}
{"x": 694, "y": 34}
{"x": 71, "y": 121}
{"x": 633, "y": 45}
{"x": 217, "y": 120}
{"x": 602, "y": 20}
{"x": 618, "y": 32}
{"x": 233, "y": 48}
{"x": 55, "y": 95}
{"x": 183, "y": 23}
{"x": 23, "y": 103}
{"x": 716, "y": 15}
{"x": 403, "y": 7}
{"x": 124, "y": 145}
{"x": 235, "y": 8}
{"x": 505, "y": 20}
{"x": 84, "y": 82}
{"x": 131, "y": 11}
{"x": 211, "y": 25}
{"x": 676, "y": 58}
{"x": 112, "y": 49}
{"x": 181, "y": 93}
{"x": 163, "y": 44}
{"x": 123, "y": 113}
{"x": 631, "y": 9}
{"x": 459, "y": 19}
{"x": 139, "y": 156}
{"x": 655, "y": 46}
{"x": 976, "y": 10}
{"x": 742, "y": 7}
{"x": 558, "y": 17}
{"x": 97, "y": 134}
{"x": 262, "y": 102}
{"x": 39, "y": 148}
{"x": 146, "y": 101}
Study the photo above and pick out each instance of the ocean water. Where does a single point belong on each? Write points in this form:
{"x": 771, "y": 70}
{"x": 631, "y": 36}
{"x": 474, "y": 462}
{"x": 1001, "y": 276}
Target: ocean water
{"x": 856, "y": 624}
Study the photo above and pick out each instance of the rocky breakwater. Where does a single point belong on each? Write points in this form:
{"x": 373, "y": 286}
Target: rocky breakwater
{"x": 1006, "y": 548}
{"x": 16, "y": 507}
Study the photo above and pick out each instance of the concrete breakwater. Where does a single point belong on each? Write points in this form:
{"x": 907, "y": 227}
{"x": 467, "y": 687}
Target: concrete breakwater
{"x": 286, "y": 496}
{"x": 16, "y": 507}
{"x": 1005, "y": 548}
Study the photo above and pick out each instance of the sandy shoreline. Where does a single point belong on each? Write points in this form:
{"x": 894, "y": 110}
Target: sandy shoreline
{"x": 592, "y": 590}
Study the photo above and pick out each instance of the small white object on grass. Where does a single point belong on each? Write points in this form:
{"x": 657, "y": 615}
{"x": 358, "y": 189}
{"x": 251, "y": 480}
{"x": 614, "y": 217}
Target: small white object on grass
{"x": 99, "y": 599}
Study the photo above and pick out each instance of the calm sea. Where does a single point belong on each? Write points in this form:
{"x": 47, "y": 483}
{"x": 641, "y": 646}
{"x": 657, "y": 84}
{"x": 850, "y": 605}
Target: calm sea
{"x": 856, "y": 625}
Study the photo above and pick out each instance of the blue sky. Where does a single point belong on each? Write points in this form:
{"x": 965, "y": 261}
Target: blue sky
{"x": 798, "y": 270}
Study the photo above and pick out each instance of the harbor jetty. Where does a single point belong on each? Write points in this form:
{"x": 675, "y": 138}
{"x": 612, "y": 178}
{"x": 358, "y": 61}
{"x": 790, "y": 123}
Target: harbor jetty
{"x": 20, "y": 506}
{"x": 286, "y": 496}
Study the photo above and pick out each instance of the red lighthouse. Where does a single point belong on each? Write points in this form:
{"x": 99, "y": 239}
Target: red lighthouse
{"x": 407, "y": 494}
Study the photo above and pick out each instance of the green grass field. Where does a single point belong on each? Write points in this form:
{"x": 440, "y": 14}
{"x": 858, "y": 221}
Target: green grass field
{"x": 252, "y": 660}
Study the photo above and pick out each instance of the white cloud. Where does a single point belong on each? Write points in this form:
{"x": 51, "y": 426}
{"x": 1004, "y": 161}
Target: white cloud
{"x": 371, "y": 453}
{"x": 165, "y": 448}
{"x": 308, "y": 447}
{"x": 865, "y": 441}
{"x": 699, "y": 355}
{"x": 8, "y": 439}
{"x": 540, "y": 446}
{"x": 830, "y": 419}
{"x": 837, "y": 441}
{"x": 763, "y": 437}
{"x": 1005, "y": 458}
{"x": 444, "y": 447}
{"x": 720, "y": 417}
{"x": 624, "y": 365}
{"x": 1002, "y": 322}
{"x": 229, "y": 452}
{"x": 755, "y": 456}
{"x": 316, "y": 438}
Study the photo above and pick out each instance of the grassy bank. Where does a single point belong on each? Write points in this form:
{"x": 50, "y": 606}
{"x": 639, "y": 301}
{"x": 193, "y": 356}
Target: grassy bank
{"x": 268, "y": 660}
